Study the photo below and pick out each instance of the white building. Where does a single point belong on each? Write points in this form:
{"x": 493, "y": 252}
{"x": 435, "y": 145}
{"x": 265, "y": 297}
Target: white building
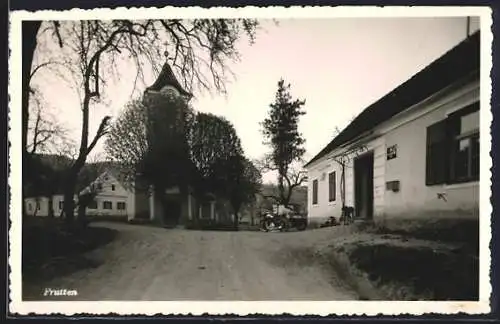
{"x": 112, "y": 199}
{"x": 39, "y": 206}
{"x": 413, "y": 153}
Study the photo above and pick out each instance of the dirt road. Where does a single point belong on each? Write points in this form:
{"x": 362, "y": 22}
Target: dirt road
{"x": 148, "y": 263}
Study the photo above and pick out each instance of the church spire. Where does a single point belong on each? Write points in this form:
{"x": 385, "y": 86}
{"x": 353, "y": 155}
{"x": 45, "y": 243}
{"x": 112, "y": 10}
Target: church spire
{"x": 167, "y": 78}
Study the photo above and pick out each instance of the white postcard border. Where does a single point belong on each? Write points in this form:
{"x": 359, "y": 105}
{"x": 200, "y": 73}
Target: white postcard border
{"x": 17, "y": 306}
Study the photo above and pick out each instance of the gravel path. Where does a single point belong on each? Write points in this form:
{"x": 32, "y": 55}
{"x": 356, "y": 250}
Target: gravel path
{"x": 148, "y": 263}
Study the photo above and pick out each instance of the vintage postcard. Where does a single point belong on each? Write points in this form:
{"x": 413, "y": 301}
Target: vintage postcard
{"x": 303, "y": 161}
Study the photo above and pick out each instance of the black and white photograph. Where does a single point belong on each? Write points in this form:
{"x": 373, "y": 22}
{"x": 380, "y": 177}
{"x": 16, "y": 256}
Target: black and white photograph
{"x": 303, "y": 160}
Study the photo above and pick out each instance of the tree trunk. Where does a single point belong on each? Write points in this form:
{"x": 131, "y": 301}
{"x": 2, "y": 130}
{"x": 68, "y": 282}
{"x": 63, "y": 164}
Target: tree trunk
{"x": 71, "y": 181}
{"x": 82, "y": 216}
{"x": 281, "y": 190}
{"x": 342, "y": 187}
{"x": 29, "y": 33}
{"x": 37, "y": 204}
{"x": 50, "y": 212}
{"x": 69, "y": 203}
{"x": 252, "y": 215}
{"x": 288, "y": 197}
{"x": 236, "y": 219}
{"x": 69, "y": 190}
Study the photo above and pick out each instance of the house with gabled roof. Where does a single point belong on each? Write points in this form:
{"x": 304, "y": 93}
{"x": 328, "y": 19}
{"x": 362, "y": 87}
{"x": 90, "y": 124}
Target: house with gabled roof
{"x": 413, "y": 153}
{"x": 112, "y": 197}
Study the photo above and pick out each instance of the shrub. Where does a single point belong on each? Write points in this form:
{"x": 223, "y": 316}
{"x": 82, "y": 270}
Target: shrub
{"x": 419, "y": 271}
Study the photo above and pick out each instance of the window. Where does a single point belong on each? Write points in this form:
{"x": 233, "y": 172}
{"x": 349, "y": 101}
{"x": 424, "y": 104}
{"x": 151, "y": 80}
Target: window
{"x": 465, "y": 147}
{"x": 30, "y": 208}
{"x": 61, "y": 204}
{"x": 453, "y": 148}
{"x": 437, "y": 157}
{"x": 112, "y": 187}
{"x": 99, "y": 186}
{"x": 315, "y": 192}
{"x": 332, "y": 186}
{"x": 120, "y": 205}
{"x": 107, "y": 205}
{"x": 92, "y": 205}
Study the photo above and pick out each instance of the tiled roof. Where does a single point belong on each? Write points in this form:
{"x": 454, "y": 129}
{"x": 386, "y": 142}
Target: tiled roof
{"x": 458, "y": 63}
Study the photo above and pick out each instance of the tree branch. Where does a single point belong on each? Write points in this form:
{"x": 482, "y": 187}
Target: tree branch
{"x": 57, "y": 25}
{"x": 103, "y": 129}
{"x": 38, "y": 67}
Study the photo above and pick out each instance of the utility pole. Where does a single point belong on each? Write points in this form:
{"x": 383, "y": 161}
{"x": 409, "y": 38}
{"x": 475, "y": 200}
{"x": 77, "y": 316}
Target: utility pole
{"x": 468, "y": 26}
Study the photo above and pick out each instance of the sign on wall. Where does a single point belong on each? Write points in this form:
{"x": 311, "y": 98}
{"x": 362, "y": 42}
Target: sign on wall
{"x": 392, "y": 152}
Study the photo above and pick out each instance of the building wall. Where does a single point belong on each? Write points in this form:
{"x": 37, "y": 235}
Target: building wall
{"x": 110, "y": 190}
{"x": 409, "y": 167}
{"x": 324, "y": 208}
{"x": 415, "y": 198}
{"x": 141, "y": 205}
{"x": 43, "y": 205}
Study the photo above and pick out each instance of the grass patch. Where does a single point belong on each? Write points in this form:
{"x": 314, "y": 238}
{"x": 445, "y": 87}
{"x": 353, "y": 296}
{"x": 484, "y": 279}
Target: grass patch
{"x": 419, "y": 272}
{"x": 406, "y": 259}
{"x": 461, "y": 231}
{"x": 51, "y": 249}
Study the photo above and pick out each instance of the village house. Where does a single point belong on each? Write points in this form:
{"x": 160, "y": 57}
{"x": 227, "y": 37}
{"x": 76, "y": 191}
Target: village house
{"x": 39, "y": 206}
{"x": 112, "y": 199}
{"x": 413, "y": 153}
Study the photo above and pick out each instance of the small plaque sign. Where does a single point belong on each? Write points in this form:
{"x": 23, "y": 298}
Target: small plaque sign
{"x": 392, "y": 152}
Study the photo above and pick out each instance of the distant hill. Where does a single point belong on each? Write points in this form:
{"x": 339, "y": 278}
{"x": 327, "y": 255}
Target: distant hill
{"x": 57, "y": 162}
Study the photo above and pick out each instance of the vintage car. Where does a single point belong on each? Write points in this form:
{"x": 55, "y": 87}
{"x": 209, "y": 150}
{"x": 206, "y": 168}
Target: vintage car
{"x": 283, "y": 218}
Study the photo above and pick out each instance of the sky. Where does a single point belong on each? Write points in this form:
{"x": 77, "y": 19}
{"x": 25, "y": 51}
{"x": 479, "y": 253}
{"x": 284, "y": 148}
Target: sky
{"x": 339, "y": 66}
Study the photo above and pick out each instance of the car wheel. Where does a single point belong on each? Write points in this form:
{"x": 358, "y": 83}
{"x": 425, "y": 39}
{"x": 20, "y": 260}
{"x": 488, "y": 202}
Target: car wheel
{"x": 270, "y": 226}
{"x": 301, "y": 226}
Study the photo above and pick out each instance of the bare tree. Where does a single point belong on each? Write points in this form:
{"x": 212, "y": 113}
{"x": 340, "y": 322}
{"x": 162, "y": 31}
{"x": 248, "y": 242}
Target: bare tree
{"x": 42, "y": 134}
{"x": 345, "y": 159}
{"x": 294, "y": 177}
{"x": 47, "y": 136}
{"x": 92, "y": 50}
{"x": 201, "y": 48}
{"x": 46, "y": 133}
{"x": 29, "y": 33}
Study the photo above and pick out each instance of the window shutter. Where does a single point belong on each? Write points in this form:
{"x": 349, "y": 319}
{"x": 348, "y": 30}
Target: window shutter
{"x": 332, "y": 186}
{"x": 437, "y": 154}
{"x": 315, "y": 192}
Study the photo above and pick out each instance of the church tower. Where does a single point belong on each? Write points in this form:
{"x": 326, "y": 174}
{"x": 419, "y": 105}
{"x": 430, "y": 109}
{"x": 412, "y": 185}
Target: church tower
{"x": 166, "y": 84}
{"x": 156, "y": 96}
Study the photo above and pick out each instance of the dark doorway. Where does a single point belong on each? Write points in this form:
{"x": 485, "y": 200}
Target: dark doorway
{"x": 363, "y": 186}
{"x": 172, "y": 211}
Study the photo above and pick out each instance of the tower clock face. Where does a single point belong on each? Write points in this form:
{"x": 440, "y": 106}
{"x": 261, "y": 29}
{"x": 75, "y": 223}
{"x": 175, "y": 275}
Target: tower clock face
{"x": 169, "y": 91}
